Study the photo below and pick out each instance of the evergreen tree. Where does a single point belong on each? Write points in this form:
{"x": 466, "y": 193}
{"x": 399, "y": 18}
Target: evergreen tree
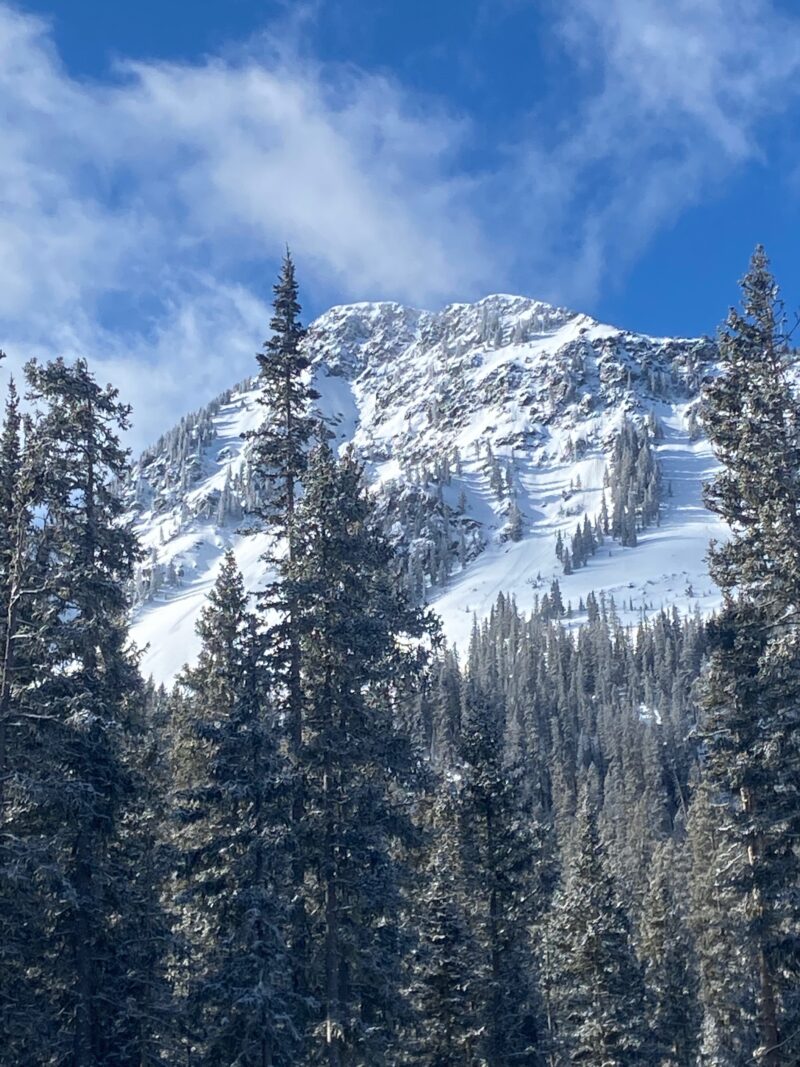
{"x": 447, "y": 968}
{"x": 144, "y": 858}
{"x": 359, "y": 647}
{"x": 70, "y": 712}
{"x": 559, "y": 546}
{"x": 279, "y": 454}
{"x": 751, "y": 696}
{"x": 445, "y": 715}
{"x": 635, "y": 484}
{"x": 23, "y": 1004}
{"x": 718, "y": 921}
{"x": 232, "y": 900}
{"x": 669, "y": 973}
{"x": 595, "y": 991}
{"x": 503, "y": 859}
{"x": 280, "y": 443}
{"x": 17, "y": 487}
{"x": 10, "y": 464}
{"x": 514, "y": 521}
{"x": 556, "y": 603}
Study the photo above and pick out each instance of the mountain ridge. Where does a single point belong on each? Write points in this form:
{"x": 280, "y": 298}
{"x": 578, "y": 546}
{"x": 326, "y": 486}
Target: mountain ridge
{"x": 475, "y": 423}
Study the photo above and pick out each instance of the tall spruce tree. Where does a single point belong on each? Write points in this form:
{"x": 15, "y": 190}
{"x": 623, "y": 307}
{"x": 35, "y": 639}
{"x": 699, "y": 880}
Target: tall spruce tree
{"x": 144, "y": 861}
{"x": 360, "y": 645}
{"x": 280, "y": 443}
{"x": 70, "y": 709}
{"x": 751, "y": 691}
{"x": 279, "y": 453}
{"x": 233, "y": 900}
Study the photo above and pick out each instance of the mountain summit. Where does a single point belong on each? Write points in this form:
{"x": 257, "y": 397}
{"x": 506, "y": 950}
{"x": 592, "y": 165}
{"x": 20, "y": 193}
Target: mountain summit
{"x": 490, "y": 432}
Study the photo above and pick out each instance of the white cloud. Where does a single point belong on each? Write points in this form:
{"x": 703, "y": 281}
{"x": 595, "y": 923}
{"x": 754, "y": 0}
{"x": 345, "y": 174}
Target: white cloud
{"x": 135, "y": 212}
{"x": 676, "y": 93}
{"x": 709, "y": 67}
{"x": 152, "y": 193}
{"x": 339, "y": 166}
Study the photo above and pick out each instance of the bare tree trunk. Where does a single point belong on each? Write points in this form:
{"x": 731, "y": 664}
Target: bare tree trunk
{"x": 6, "y": 672}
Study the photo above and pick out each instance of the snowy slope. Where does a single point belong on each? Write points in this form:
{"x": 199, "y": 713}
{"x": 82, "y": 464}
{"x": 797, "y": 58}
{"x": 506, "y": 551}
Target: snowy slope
{"x": 434, "y": 403}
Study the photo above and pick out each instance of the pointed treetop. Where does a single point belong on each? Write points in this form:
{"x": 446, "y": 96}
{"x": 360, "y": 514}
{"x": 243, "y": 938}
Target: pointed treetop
{"x": 12, "y": 398}
{"x": 285, "y": 321}
{"x": 760, "y": 299}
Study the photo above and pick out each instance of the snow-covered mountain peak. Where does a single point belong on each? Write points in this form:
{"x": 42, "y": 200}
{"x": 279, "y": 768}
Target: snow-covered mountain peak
{"x": 358, "y": 336}
{"x": 476, "y": 422}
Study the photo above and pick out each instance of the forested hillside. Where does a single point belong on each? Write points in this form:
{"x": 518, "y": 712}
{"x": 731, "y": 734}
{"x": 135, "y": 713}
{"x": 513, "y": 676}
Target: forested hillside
{"x": 337, "y": 838}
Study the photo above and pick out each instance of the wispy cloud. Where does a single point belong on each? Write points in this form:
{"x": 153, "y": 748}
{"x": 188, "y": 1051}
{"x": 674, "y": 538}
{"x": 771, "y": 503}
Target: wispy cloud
{"x": 674, "y": 97}
{"x": 137, "y": 204}
{"x": 134, "y": 213}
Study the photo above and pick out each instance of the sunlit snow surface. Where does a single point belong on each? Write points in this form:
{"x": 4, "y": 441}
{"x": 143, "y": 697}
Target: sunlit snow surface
{"x": 408, "y": 387}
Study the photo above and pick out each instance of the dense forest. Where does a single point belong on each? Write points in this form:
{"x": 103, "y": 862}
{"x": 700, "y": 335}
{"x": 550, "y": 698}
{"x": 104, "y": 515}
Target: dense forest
{"x": 337, "y": 841}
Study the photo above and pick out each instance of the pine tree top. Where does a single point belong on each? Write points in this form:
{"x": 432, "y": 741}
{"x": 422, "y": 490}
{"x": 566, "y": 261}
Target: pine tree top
{"x": 287, "y": 331}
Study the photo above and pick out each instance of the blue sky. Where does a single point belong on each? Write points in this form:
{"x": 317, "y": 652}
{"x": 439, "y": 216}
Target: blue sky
{"x": 621, "y": 157}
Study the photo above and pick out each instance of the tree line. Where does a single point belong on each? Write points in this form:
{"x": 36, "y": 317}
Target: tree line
{"x": 335, "y": 840}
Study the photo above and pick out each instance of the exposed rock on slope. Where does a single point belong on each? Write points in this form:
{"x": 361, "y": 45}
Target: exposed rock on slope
{"x": 486, "y": 428}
